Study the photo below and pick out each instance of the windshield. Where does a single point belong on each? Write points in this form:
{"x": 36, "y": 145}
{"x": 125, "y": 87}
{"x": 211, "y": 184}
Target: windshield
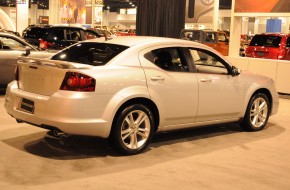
{"x": 268, "y": 41}
{"x": 90, "y": 53}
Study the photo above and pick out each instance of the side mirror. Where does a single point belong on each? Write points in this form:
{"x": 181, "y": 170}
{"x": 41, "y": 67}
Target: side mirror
{"x": 235, "y": 71}
{"x": 27, "y": 51}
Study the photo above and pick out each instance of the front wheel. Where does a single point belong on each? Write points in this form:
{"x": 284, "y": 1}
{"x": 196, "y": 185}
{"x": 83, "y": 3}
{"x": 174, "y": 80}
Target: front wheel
{"x": 257, "y": 113}
{"x": 133, "y": 129}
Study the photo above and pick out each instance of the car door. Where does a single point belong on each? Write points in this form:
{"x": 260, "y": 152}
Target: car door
{"x": 221, "y": 94}
{"x": 171, "y": 84}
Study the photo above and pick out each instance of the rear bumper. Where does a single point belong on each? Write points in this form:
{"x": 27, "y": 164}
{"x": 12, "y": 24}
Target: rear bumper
{"x": 69, "y": 113}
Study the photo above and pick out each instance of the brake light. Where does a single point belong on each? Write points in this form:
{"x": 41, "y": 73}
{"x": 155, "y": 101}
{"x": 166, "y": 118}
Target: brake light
{"x": 78, "y": 82}
{"x": 16, "y": 74}
{"x": 281, "y": 54}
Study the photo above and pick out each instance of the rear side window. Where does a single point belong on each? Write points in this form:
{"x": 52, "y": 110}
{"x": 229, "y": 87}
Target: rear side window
{"x": 35, "y": 32}
{"x": 90, "y": 53}
{"x": 268, "y": 41}
{"x": 56, "y": 34}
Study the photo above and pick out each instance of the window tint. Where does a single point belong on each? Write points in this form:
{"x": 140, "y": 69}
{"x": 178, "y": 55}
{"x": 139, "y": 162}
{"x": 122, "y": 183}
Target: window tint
{"x": 35, "y": 32}
{"x": 206, "y": 62}
{"x": 56, "y": 34}
{"x": 211, "y": 37}
{"x": 170, "y": 59}
{"x": 72, "y": 34}
{"x": 191, "y": 35}
{"x": 268, "y": 41}
{"x": 11, "y": 44}
{"x": 90, "y": 53}
{"x": 288, "y": 42}
{"x": 90, "y": 35}
{"x": 222, "y": 37}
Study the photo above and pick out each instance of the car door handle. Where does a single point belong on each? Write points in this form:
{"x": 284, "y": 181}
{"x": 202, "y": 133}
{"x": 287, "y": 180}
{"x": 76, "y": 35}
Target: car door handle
{"x": 205, "y": 80}
{"x": 157, "y": 78}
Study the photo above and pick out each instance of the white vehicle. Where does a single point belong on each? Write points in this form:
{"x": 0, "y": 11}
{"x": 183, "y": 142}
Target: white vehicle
{"x": 128, "y": 88}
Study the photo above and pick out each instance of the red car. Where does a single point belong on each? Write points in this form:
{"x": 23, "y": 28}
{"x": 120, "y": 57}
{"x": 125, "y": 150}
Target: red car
{"x": 270, "y": 46}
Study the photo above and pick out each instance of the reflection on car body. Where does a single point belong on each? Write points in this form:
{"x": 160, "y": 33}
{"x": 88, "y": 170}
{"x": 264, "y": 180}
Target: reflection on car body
{"x": 128, "y": 88}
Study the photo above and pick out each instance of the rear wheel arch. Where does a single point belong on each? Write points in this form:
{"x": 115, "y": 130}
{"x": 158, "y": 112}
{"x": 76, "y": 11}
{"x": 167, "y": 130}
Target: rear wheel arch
{"x": 144, "y": 101}
{"x": 133, "y": 126}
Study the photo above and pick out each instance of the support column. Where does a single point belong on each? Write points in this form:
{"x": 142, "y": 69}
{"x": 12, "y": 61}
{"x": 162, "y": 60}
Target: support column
{"x": 236, "y": 28}
{"x": 216, "y": 15}
{"x": 21, "y": 15}
{"x": 54, "y": 11}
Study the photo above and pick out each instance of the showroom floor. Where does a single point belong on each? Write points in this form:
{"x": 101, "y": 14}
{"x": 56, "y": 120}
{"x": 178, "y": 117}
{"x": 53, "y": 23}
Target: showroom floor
{"x": 222, "y": 157}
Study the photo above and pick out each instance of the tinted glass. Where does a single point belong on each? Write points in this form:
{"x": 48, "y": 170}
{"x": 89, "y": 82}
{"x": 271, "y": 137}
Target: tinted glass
{"x": 56, "y": 34}
{"x": 35, "y": 32}
{"x": 288, "y": 42}
{"x": 90, "y": 53}
{"x": 268, "y": 41}
{"x": 169, "y": 59}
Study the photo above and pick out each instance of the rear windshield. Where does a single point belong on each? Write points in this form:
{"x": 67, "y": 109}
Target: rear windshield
{"x": 268, "y": 41}
{"x": 90, "y": 53}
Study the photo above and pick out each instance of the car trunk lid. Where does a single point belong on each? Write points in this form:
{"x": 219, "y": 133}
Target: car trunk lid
{"x": 41, "y": 76}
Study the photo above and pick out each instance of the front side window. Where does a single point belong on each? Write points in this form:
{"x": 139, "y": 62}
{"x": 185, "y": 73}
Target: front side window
{"x": 90, "y": 35}
{"x": 72, "y": 34}
{"x": 207, "y": 62}
{"x": 90, "y": 53}
{"x": 170, "y": 59}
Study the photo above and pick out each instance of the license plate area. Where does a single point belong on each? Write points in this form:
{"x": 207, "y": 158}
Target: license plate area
{"x": 26, "y": 105}
{"x": 260, "y": 54}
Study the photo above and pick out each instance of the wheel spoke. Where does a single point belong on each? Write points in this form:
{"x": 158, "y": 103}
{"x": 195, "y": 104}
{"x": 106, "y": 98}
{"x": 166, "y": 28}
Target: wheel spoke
{"x": 263, "y": 105}
{"x": 255, "y": 120}
{"x": 127, "y": 135}
{"x": 133, "y": 141}
{"x": 141, "y": 118}
{"x": 142, "y": 134}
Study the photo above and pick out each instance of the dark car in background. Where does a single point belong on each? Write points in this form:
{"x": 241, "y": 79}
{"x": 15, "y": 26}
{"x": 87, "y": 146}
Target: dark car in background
{"x": 216, "y": 39}
{"x": 11, "y": 47}
{"x": 270, "y": 46}
{"x": 57, "y": 37}
{"x": 103, "y": 33}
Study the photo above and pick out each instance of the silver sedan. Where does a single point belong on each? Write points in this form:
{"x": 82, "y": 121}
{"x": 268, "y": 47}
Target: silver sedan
{"x": 128, "y": 88}
{"x": 11, "y": 47}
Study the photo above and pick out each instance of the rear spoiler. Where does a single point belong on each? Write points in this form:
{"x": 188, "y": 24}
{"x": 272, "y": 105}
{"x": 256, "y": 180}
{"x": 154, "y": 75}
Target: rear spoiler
{"x": 52, "y": 63}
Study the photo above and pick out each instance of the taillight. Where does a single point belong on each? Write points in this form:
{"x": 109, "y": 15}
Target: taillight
{"x": 78, "y": 82}
{"x": 281, "y": 54}
{"x": 16, "y": 74}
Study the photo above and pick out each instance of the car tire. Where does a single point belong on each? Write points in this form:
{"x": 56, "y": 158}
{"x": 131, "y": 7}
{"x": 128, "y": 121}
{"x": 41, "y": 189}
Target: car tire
{"x": 132, "y": 130}
{"x": 257, "y": 113}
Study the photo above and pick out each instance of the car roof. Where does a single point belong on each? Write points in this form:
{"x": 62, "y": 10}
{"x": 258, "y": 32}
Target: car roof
{"x": 54, "y": 26}
{"x": 137, "y": 40}
{"x": 273, "y": 34}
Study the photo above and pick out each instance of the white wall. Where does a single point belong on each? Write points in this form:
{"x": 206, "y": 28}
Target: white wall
{"x": 276, "y": 69}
